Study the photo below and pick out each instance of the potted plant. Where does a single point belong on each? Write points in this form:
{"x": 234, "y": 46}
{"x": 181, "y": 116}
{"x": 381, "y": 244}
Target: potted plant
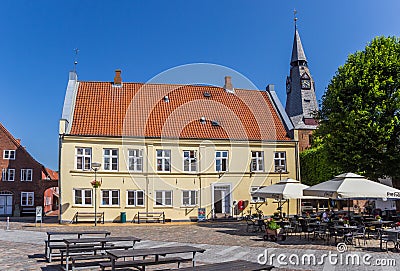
{"x": 95, "y": 184}
{"x": 272, "y": 229}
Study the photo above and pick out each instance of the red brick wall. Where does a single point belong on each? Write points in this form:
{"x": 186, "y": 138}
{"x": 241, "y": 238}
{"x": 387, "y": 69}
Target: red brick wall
{"x": 22, "y": 161}
{"x": 305, "y": 136}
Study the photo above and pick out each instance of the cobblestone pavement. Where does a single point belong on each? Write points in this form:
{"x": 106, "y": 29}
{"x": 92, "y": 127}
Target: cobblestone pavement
{"x": 22, "y": 247}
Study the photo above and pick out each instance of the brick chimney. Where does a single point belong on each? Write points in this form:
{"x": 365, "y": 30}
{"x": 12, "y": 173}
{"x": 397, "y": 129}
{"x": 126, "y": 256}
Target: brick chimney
{"x": 228, "y": 84}
{"x": 117, "y": 78}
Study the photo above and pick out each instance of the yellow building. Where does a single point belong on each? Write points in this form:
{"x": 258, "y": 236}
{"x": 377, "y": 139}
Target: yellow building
{"x": 171, "y": 148}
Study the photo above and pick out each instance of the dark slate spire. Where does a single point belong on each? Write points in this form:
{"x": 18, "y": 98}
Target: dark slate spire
{"x": 298, "y": 55}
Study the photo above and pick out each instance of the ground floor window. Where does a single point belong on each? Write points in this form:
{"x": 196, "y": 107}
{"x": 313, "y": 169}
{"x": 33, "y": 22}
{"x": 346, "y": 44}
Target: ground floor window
{"x": 83, "y": 196}
{"x": 110, "y": 197}
{"x": 135, "y": 198}
{"x": 27, "y": 198}
{"x": 189, "y": 197}
{"x": 164, "y": 198}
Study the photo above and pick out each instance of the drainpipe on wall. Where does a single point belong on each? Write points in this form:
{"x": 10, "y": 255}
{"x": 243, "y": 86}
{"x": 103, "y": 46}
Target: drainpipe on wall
{"x": 60, "y": 137}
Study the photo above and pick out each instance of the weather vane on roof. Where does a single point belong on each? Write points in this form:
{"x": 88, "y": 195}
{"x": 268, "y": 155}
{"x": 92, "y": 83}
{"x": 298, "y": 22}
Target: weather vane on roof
{"x": 295, "y": 18}
{"x": 76, "y": 58}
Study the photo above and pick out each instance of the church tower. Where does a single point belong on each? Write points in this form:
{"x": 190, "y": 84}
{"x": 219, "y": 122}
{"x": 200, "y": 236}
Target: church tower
{"x": 301, "y": 102}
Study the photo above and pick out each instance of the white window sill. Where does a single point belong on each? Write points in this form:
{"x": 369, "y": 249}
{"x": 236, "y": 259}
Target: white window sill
{"x": 82, "y": 206}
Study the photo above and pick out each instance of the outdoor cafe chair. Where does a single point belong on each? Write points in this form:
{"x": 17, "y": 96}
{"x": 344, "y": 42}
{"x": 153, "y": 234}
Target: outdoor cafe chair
{"x": 305, "y": 229}
{"x": 390, "y": 237}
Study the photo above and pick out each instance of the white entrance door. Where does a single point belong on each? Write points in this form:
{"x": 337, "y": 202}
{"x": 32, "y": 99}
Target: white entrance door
{"x": 6, "y": 204}
{"x": 222, "y": 199}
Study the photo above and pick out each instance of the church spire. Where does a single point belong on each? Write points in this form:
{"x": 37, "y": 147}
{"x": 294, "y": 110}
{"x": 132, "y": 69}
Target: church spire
{"x": 298, "y": 55}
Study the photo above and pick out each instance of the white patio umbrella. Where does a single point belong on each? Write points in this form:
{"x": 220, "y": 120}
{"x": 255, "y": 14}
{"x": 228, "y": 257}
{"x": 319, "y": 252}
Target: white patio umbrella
{"x": 284, "y": 190}
{"x": 352, "y": 186}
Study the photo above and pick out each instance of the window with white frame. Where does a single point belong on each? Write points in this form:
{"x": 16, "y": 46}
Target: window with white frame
{"x": 83, "y": 158}
{"x": 9, "y": 154}
{"x": 26, "y": 175}
{"x": 27, "y": 198}
{"x": 110, "y": 159}
{"x": 135, "y": 160}
{"x": 110, "y": 197}
{"x": 83, "y": 196}
{"x": 280, "y": 161}
{"x": 135, "y": 198}
{"x": 163, "y": 160}
{"x": 189, "y": 197}
{"x": 189, "y": 161}
{"x": 221, "y": 161}
{"x": 8, "y": 174}
{"x": 257, "y": 161}
{"x": 164, "y": 198}
{"x": 256, "y": 199}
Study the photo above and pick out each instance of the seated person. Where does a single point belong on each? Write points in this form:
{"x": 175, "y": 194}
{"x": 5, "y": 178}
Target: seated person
{"x": 325, "y": 216}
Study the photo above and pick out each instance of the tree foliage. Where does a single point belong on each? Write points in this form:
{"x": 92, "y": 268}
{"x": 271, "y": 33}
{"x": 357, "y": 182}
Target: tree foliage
{"x": 360, "y": 113}
{"x": 316, "y": 166}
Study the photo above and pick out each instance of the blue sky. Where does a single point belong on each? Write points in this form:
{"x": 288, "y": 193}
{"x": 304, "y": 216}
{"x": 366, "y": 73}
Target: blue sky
{"x": 144, "y": 38}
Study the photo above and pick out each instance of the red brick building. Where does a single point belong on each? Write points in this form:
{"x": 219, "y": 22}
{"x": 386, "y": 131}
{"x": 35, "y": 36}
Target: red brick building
{"x": 23, "y": 179}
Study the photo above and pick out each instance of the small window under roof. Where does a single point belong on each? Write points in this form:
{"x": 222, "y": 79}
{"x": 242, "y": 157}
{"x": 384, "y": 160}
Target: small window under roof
{"x": 207, "y": 94}
{"x": 215, "y": 123}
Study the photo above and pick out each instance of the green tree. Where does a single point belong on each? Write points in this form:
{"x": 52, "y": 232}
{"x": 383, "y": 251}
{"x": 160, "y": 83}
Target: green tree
{"x": 359, "y": 117}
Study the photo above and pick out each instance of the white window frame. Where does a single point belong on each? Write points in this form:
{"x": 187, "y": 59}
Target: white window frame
{"x": 110, "y": 160}
{"x": 190, "y": 161}
{"x": 219, "y": 156}
{"x": 280, "y": 161}
{"x": 162, "y": 157}
{"x": 135, "y": 198}
{"x": 84, "y": 156}
{"x": 27, "y": 195}
{"x": 83, "y": 196}
{"x": 25, "y": 174}
{"x": 191, "y": 194}
{"x": 135, "y": 160}
{"x": 257, "y": 161}
{"x": 110, "y": 197}
{"x": 9, "y": 154}
{"x": 7, "y": 173}
{"x": 256, "y": 199}
{"x": 163, "y": 198}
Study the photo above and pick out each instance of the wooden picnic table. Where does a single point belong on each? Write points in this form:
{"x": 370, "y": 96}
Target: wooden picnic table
{"x": 382, "y": 233}
{"x": 51, "y": 244}
{"x": 94, "y": 244}
{"x": 156, "y": 252}
{"x": 238, "y": 265}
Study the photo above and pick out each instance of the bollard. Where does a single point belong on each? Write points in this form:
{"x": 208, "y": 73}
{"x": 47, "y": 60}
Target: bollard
{"x": 8, "y": 223}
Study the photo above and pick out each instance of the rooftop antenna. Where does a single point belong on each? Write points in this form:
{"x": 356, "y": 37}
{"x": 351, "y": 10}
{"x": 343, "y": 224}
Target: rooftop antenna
{"x": 76, "y": 58}
{"x": 295, "y": 18}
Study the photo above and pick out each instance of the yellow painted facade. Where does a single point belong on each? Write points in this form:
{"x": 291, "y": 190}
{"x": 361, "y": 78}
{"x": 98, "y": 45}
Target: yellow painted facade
{"x": 236, "y": 183}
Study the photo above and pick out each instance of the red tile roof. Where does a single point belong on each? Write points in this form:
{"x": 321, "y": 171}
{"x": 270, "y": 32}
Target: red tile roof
{"x": 49, "y": 174}
{"x": 140, "y": 110}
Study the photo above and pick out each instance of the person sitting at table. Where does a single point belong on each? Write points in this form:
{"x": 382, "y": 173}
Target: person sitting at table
{"x": 325, "y": 216}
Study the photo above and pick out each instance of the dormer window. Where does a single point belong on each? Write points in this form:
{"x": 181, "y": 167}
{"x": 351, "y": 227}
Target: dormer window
{"x": 9, "y": 154}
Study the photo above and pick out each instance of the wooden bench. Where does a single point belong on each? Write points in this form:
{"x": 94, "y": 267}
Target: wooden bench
{"x": 143, "y": 263}
{"x": 90, "y": 261}
{"x": 238, "y": 265}
{"x": 28, "y": 211}
{"x": 85, "y": 215}
{"x": 52, "y": 245}
{"x": 150, "y": 217}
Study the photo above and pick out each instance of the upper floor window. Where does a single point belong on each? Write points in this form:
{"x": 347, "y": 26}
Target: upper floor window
{"x": 83, "y": 196}
{"x": 8, "y": 174}
{"x": 189, "y": 197}
{"x": 27, "y": 198}
{"x": 280, "y": 161}
{"x": 110, "y": 197}
{"x": 164, "y": 198}
{"x": 257, "y": 161}
{"x": 135, "y": 198}
{"x": 26, "y": 175}
{"x": 110, "y": 159}
{"x": 135, "y": 160}
{"x": 221, "y": 161}
{"x": 83, "y": 158}
{"x": 163, "y": 160}
{"x": 189, "y": 161}
{"x": 9, "y": 154}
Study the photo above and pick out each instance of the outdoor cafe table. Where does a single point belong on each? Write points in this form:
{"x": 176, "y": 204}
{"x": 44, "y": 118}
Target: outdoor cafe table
{"x": 345, "y": 230}
{"x": 386, "y": 231}
{"x": 156, "y": 252}
{"x": 100, "y": 242}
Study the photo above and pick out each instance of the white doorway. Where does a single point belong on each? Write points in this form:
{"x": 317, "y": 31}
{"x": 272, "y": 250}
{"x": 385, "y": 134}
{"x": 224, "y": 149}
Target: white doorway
{"x": 221, "y": 199}
{"x": 6, "y": 203}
